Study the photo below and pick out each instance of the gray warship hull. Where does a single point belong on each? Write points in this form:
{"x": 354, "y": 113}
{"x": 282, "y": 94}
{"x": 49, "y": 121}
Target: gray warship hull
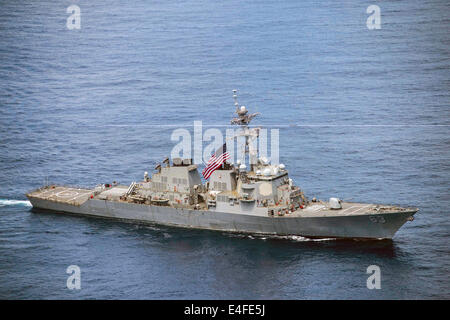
{"x": 262, "y": 200}
{"x": 354, "y": 221}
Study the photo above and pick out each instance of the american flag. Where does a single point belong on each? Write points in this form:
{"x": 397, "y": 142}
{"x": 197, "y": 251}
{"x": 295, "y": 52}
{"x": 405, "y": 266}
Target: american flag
{"x": 216, "y": 161}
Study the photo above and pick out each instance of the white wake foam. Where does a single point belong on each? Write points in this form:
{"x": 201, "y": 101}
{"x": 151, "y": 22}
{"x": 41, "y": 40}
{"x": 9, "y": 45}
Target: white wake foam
{"x": 299, "y": 238}
{"x": 8, "y": 202}
{"x": 291, "y": 238}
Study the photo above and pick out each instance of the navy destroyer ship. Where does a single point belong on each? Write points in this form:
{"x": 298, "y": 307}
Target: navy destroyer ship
{"x": 261, "y": 200}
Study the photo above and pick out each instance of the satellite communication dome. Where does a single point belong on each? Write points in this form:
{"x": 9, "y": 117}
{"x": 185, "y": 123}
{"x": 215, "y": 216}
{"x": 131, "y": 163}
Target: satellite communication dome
{"x": 267, "y": 172}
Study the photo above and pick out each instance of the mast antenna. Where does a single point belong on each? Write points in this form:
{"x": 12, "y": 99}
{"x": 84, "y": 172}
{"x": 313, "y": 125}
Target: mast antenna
{"x": 251, "y": 134}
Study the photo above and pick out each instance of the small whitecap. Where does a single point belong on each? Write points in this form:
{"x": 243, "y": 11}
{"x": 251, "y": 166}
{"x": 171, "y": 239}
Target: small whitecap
{"x": 8, "y": 202}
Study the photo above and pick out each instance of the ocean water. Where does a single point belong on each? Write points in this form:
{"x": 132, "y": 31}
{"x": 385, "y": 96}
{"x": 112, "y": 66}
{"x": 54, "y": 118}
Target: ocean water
{"x": 363, "y": 115}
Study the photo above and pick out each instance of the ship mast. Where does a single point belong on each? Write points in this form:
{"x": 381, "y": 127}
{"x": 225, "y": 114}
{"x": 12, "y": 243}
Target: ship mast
{"x": 250, "y": 134}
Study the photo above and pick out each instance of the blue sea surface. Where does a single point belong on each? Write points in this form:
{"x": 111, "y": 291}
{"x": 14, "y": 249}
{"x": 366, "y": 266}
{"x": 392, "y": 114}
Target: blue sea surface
{"x": 363, "y": 115}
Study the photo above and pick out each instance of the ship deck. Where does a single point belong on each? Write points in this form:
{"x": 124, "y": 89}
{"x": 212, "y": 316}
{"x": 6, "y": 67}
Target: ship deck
{"x": 77, "y": 196}
{"x": 348, "y": 209}
{"x": 69, "y": 195}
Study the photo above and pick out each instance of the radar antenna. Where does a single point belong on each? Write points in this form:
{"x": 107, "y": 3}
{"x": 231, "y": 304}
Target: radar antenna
{"x": 243, "y": 118}
{"x": 250, "y": 134}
